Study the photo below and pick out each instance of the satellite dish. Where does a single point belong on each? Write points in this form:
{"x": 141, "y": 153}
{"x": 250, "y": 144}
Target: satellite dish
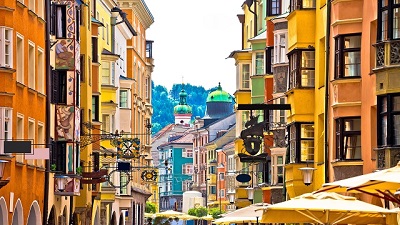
{"x": 243, "y": 178}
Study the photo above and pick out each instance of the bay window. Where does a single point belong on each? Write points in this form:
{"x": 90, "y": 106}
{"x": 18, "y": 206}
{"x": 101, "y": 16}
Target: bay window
{"x": 348, "y": 138}
{"x": 301, "y": 142}
{"x": 59, "y": 87}
{"x": 348, "y": 56}
{"x": 388, "y": 20}
{"x": 301, "y": 68}
{"x": 389, "y": 120}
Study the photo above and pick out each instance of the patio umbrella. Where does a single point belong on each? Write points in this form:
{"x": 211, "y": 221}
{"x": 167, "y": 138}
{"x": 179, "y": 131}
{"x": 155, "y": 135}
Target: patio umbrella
{"x": 384, "y": 185}
{"x": 345, "y": 184}
{"x": 207, "y": 218}
{"x": 249, "y": 214}
{"x": 327, "y": 208}
{"x": 170, "y": 214}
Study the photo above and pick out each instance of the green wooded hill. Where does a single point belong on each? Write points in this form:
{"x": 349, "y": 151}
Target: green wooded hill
{"x": 164, "y": 101}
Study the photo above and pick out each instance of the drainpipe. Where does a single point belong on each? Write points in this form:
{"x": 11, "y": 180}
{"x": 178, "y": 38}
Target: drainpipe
{"x": 48, "y": 91}
{"x": 327, "y": 52}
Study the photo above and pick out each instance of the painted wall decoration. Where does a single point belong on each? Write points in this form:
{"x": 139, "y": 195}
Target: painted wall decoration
{"x": 65, "y": 123}
{"x": 64, "y": 50}
{"x": 71, "y": 88}
{"x": 77, "y": 135}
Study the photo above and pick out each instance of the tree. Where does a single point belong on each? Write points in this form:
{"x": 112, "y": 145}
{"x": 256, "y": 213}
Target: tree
{"x": 215, "y": 212}
{"x": 198, "y": 211}
{"x": 150, "y": 207}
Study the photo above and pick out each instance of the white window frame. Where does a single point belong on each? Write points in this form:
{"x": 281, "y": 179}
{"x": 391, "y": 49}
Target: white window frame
{"x": 40, "y": 70}
{"x": 6, "y": 116}
{"x": 127, "y": 98}
{"x": 40, "y": 140}
{"x": 6, "y": 43}
{"x": 106, "y": 122}
{"x": 242, "y": 77}
{"x": 187, "y": 153}
{"x": 31, "y": 5}
{"x": 31, "y": 65}
{"x": 40, "y": 11}
{"x": 20, "y": 135}
{"x": 280, "y": 48}
{"x": 275, "y": 153}
{"x": 262, "y": 65}
{"x": 20, "y": 56}
{"x": 31, "y": 137}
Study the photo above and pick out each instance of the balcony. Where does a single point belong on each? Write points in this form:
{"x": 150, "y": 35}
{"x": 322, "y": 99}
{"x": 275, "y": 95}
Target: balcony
{"x": 387, "y": 65}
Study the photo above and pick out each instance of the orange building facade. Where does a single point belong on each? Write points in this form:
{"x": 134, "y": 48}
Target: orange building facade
{"x": 22, "y": 109}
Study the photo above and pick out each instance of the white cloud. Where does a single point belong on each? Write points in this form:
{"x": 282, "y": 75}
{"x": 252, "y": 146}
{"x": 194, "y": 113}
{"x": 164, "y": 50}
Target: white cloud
{"x": 192, "y": 38}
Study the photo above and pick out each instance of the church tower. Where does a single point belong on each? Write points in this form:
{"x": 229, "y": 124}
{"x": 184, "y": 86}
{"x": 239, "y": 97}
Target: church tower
{"x": 182, "y": 111}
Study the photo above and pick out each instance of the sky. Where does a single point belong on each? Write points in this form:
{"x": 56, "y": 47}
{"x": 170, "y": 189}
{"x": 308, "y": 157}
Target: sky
{"x": 192, "y": 39}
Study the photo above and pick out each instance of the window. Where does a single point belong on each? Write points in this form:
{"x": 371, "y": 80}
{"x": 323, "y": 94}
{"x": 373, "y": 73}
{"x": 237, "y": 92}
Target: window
{"x": 78, "y": 22}
{"x": 301, "y": 68}
{"x": 245, "y": 75}
{"x": 259, "y": 63}
{"x": 107, "y": 33}
{"x": 280, "y": 48}
{"x": 95, "y": 56}
{"x": 105, "y": 73}
{"x": 147, "y": 87}
{"x": 31, "y": 5}
{"x": 213, "y": 189}
{"x": 123, "y": 98}
{"x": 20, "y": 58}
{"x": 187, "y": 153}
{"x": 40, "y": 10}
{"x": 59, "y": 21}
{"x": 58, "y": 156}
{"x": 301, "y": 4}
{"x": 6, "y": 49}
{"x": 31, "y": 137}
{"x": 301, "y": 142}
{"x": 20, "y": 135}
{"x": 348, "y": 138}
{"x": 274, "y": 7}
{"x": 105, "y": 123}
{"x": 40, "y": 70}
{"x": 348, "y": 56}
{"x": 108, "y": 73}
{"x": 31, "y": 65}
{"x": 59, "y": 87}
{"x": 5, "y": 126}
{"x": 388, "y": 20}
{"x": 95, "y": 108}
{"x": 260, "y": 15}
{"x": 187, "y": 169}
{"x": 40, "y": 141}
{"x": 269, "y": 54}
{"x": 389, "y": 120}
{"x": 82, "y": 67}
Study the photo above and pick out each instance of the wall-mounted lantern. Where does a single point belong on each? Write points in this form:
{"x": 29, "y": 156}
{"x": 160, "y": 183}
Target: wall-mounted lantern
{"x": 307, "y": 175}
{"x": 231, "y": 196}
{"x": 250, "y": 193}
{"x": 61, "y": 180}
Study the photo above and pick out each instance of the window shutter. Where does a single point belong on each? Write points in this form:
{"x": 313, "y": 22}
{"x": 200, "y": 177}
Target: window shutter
{"x": 54, "y": 86}
{"x": 52, "y": 19}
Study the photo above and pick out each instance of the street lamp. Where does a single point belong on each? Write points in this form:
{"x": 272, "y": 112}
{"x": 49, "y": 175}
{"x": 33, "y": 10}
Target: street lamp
{"x": 250, "y": 193}
{"x": 307, "y": 175}
{"x": 231, "y": 196}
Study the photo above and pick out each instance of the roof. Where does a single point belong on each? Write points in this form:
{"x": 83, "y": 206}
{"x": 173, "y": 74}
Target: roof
{"x": 162, "y": 132}
{"x": 284, "y": 15}
{"x": 184, "y": 139}
{"x": 238, "y": 51}
{"x": 98, "y": 22}
{"x": 261, "y": 36}
{"x": 107, "y": 52}
{"x": 125, "y": 78}
{"x": 219, "y": 95}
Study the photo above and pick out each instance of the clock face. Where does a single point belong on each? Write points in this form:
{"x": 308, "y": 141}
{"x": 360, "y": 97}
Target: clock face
{"x": 149, "y": 175}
